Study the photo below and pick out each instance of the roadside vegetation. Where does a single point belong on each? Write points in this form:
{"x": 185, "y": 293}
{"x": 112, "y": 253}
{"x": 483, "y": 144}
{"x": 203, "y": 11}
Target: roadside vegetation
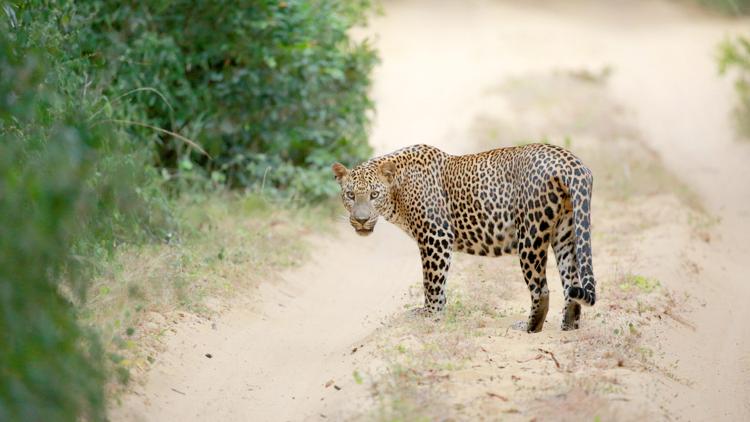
{"x": 729, "y": 7}
{"x": 228, "y": 244}
{"x": 142, "y": 144}
{"x": 734, "y": 59}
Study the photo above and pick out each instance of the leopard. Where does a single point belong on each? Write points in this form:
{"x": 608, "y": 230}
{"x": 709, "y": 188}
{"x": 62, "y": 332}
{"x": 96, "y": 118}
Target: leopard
{"x": 515, "y": 200}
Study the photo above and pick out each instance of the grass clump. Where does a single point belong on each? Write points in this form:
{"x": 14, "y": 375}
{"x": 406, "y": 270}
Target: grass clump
{"x": 734, "y": 57}
{"x": 639, "y": 283}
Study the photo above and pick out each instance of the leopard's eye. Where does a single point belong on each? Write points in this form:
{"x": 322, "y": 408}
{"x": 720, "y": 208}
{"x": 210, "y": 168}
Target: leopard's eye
{"x": 374, "y": 194}
{"x": 350, "y": 195}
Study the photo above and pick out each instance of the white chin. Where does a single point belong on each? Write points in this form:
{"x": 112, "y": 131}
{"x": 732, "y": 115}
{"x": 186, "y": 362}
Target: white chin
{"x": 363, "y": 232}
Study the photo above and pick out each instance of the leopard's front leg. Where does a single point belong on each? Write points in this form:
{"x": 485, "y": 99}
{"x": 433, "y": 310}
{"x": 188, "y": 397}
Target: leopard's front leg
{"x": 436, "y": 260}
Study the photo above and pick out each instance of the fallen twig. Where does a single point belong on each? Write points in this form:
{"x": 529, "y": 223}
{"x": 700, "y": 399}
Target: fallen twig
{"x": 497, "y": 396}
{"x": 178, "y": 391}
{"x": 552, "y": 355}
{"x": 537, "y": 357}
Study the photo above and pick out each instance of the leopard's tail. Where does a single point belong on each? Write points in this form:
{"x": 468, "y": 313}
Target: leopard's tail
{"x": 580, "y": 187}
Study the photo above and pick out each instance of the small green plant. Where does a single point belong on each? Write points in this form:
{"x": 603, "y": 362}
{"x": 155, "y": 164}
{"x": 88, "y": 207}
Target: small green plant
{"x": 455, "y": 310}
{"x": 734, "y": 55}
{"x": 639, "y": 282}
{"x": 357, "y": 377}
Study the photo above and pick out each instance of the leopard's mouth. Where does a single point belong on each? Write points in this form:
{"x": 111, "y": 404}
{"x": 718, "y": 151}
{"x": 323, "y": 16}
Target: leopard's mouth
{"x": 363, "y": 231}
{"x": 363, "y": 228}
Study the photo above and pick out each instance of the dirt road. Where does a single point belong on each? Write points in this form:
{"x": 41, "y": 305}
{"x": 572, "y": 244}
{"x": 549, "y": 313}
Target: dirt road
{"x": 465, "y": 77}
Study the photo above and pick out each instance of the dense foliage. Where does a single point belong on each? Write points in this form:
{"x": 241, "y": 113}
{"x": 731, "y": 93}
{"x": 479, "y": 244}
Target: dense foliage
{"x": 67, "y": 190}
{"x": 274, "y": 91}
{"x": 103, "y": 104}
{"x": 734, "y": 55}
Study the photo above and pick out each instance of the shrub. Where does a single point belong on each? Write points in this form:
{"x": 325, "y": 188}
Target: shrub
{"x": 730, "y": 7}
{"x": 274, "y": 91}
{"x": 71, "y": 187}
{"x": 49, "y": 367}
{"x": 735, "y": 55}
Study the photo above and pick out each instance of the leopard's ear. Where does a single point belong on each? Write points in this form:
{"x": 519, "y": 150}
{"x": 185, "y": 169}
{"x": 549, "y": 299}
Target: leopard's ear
{"x": 387, "y": 170}
{"x": 339, "y": 171}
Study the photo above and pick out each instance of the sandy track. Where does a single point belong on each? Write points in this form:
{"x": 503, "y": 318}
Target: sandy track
{"x": 272, "y": 357}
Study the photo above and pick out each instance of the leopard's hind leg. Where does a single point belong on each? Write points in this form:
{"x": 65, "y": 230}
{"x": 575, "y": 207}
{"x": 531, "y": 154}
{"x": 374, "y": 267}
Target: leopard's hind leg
{"x": 563, "y": 243}
{"x": 533, "y": 246}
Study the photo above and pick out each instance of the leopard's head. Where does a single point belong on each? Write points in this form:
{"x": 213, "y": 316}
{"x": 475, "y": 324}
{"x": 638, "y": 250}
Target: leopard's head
{"x": 366, "y": 193}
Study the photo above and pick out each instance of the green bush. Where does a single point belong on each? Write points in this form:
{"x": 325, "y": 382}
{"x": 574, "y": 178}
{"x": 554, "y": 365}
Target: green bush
{"x": 730, "y": 7}
{"x": 274, "y": 91}
{"x": 71, "y": 188}
{"x": 734, "y": 55}
{"x": 49, "y": 367}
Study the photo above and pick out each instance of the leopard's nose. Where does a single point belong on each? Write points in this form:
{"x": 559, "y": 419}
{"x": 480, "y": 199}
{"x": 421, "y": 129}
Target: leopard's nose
{"x": 361, "y": 221}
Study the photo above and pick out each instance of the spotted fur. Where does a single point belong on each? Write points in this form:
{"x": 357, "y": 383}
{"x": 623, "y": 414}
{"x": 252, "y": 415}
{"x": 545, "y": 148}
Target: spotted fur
{"x": 509, "y": 200}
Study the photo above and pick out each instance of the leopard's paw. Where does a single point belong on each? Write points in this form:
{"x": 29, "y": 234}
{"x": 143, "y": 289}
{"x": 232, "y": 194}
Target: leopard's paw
{"x": 426, "y": 312}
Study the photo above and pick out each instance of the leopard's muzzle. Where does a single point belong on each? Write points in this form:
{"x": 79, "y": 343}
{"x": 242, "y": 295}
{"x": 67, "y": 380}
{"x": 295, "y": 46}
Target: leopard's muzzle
{"x": 363, "y": 226}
